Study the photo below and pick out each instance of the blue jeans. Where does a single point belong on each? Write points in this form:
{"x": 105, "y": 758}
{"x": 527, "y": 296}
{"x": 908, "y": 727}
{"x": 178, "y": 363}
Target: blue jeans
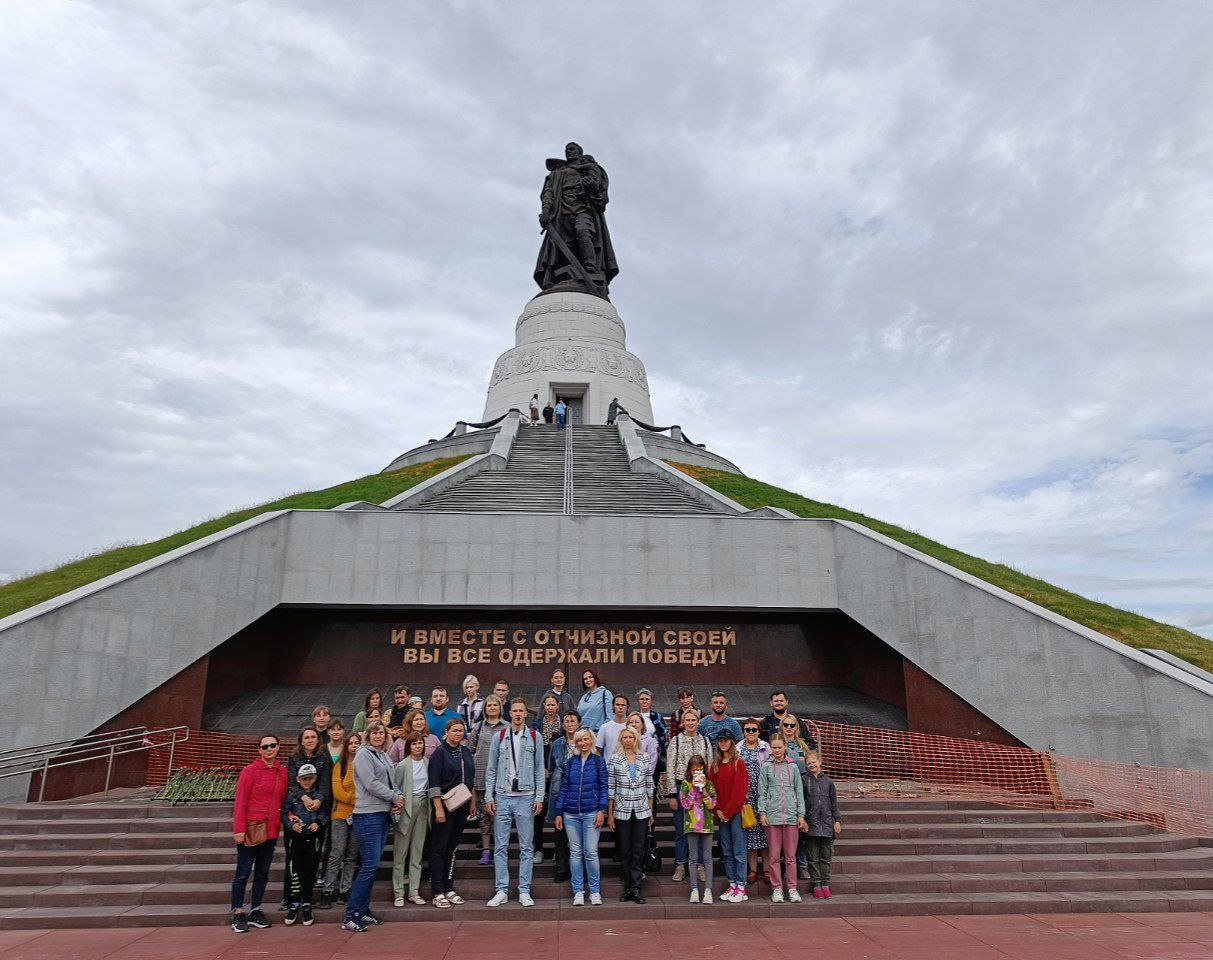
{"x": 583, "y": 849}
{"x": 510, "y": 811}
{"x": 372, "y": 830}
{"x": 732, "y": 845}
{"x": 560, "y": 418}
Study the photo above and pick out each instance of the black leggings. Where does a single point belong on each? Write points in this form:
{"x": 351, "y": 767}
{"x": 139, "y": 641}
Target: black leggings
{"x": 630, "y": 835}
{"x": 445, "y": 838}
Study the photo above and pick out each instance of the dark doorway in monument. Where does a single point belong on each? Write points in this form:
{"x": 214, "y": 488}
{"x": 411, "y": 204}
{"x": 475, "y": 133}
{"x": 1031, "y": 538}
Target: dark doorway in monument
{"x": 574, "y": 396}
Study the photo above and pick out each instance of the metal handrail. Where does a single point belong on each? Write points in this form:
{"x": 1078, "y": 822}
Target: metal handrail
{"x": 479, "y": 426}
{"x": 41, "y": 758}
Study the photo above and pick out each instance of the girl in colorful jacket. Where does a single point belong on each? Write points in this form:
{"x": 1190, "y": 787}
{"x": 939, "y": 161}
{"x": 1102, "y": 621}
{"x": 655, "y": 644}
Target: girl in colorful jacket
{"x": 781, "y": 811}
{"x": 697, "y": 797}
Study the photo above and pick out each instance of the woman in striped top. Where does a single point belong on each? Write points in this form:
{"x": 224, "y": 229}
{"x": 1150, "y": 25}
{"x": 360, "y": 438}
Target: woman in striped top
{"x": 630, "y": 809}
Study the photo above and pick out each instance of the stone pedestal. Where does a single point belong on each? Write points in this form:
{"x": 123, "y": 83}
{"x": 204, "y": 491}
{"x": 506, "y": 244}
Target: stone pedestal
{"x": 570, "y": 344}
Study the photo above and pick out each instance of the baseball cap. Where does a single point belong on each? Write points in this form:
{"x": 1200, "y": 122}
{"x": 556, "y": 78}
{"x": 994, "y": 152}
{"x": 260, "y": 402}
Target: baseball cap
{"x": 307, "y": 770}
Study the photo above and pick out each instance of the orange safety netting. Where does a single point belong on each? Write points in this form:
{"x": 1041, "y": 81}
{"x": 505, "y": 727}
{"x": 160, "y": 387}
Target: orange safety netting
{"x": 875, "y": 762}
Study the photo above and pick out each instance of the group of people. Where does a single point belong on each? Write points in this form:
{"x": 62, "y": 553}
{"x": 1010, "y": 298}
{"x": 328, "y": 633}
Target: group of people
{"x": 418, "y": 774}
{"x": 560, "y": 412}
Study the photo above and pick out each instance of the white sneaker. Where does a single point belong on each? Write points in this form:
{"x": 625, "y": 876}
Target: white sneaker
{"x": 707, "y": 896}
{"x": 727, "y": 896}
{"x": 777, "y": 895}
{"x": 499, "y": 898}
{"x": 596, "y": 899}
{"x": 579, "y": 899}
{"x": 695, "y": 895}
{"x": 400, "y": 901}
{"x": 417, "y": 899}
{"x": 740, "y": 896}
{"x": 538, "y": 856}
{"x": 794, "y": 896}
{"x": 524, "y": 898}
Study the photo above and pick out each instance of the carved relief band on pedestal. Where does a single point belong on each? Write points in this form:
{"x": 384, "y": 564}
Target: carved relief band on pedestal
{"x": 586, "y": 359}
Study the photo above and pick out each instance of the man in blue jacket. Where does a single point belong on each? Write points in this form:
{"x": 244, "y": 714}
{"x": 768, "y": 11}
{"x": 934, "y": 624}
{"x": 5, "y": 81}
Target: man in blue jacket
{"x": 513, "y": 786}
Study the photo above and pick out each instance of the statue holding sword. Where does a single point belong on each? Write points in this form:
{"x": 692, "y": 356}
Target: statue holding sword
{"x": 576, "y": 254}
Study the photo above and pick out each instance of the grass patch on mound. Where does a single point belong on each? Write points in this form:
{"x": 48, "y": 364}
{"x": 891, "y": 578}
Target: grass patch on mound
{"x": 1129, "y": 628}
{"x": 26, "y": 592}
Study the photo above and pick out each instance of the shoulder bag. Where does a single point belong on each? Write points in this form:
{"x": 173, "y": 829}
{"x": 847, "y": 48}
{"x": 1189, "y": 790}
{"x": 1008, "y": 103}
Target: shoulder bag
{"x": 459, "y": 794}
{"x": 254, "y": 833}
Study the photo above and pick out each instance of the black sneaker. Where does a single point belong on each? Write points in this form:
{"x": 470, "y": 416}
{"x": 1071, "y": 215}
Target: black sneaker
{"x": 258, "y": 919}
{"x": 370, "y": 919}
{"x": 291, "y": 915}
{"x": 326, "y": 901}
{"x": 306, "y": 912}
{"x": 239, "y": 923}
{"x": 354, "y": 925}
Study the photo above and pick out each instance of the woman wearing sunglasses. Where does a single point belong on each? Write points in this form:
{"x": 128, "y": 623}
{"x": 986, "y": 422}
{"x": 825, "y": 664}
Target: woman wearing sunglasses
{"x": 260, "y": 791}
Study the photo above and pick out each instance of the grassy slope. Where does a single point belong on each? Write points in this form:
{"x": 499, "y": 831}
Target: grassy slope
{"x": 19, "y": 594}
{"x": 1130, "y": 628}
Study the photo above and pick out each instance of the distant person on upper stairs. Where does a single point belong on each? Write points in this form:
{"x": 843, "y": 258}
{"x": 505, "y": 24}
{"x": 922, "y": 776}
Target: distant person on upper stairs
{"x": 535, "y": 410}
{"x": 614, "y": 410}
{"x": 562, "y": 414}
{"x": 595, "y": 704}
{"x": 548, "y": 413}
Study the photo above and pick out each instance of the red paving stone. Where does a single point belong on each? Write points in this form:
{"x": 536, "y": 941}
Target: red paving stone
{"x": 1176, "y": 936}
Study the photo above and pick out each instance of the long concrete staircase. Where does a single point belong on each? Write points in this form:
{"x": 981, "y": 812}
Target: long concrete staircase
{"x": 583, "y": 470}
{"x": 142, "y": 863}
{"x": 603, "y": 481}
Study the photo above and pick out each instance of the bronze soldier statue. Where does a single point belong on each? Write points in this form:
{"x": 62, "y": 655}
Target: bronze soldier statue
{"x": 576, "y": 254}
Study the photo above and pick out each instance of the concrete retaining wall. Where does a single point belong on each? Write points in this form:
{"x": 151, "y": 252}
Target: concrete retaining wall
{"x": 73, "y": 663}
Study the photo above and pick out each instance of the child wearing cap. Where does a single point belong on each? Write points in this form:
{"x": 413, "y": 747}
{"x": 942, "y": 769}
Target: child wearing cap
{"x": 304, "y": 830}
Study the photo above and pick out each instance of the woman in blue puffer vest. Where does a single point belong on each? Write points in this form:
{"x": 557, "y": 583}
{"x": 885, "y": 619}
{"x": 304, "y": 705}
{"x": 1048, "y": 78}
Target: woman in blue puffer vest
{"x": 580, "y": 810}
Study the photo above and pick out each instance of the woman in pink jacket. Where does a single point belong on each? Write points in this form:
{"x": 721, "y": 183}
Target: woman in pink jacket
{"x": 259, "y": 795}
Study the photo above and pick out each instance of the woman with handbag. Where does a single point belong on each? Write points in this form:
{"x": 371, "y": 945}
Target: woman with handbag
{"x": 452, "y": 777}
{"x": 260, "y": 791}
{"x": 754, "y": 752}
{"x": 375, "y": 798}
{"x": 732, "y": 782}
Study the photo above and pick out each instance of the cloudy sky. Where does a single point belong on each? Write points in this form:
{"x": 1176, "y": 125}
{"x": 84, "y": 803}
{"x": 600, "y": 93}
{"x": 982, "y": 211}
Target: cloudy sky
{"x": 950, "y": 264}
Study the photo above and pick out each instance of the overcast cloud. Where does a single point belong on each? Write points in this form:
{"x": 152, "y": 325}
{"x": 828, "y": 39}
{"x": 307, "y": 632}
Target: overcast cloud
{"x": 950, "y": 264}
